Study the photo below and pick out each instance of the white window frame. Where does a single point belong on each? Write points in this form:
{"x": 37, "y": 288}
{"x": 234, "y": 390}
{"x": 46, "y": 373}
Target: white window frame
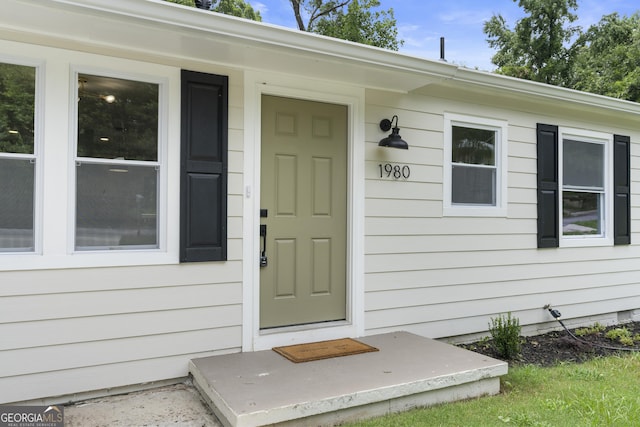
{"x": 606, "y": 216}
{"x": 160, "y": 163}
{"x": 55, "y": 167}
{"x": 501, "y": 129}
{"x": 36, "y": 157}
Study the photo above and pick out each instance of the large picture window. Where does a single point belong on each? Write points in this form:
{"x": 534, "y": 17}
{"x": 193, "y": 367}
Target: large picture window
{"x": 117, "y": 164}
{"x": 475, "y": 161}
{"x": 17, "y": 157}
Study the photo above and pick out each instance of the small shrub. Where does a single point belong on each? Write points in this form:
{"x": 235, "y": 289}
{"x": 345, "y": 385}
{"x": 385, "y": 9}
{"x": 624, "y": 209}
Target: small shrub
{"x": 505, "y": 331}
{"x": 628, "y": 341}
{"x": 618, "y": 333}
{"x": 623, "y": 336}
{"x": 593, "y": 330}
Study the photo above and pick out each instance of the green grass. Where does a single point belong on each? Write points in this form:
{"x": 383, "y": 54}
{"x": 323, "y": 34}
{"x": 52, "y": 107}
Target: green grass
{"x": 601, "y": 392}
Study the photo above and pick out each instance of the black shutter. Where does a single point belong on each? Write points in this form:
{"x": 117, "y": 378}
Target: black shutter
{"x": 203, "y": 182}
{"x": 548, "y": 195}
{"x": 621, "y": 190}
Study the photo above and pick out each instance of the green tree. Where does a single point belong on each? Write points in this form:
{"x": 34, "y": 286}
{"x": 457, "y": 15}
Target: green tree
{"x": 608, "y": 58}
{"x": 540, "y": 46}
{"x": 237, "y": 8}
{"x": 361, "y": 24}
{"x": 353, "y": 20}
{"x": 17, "y": 105}
{"x": 315, "y": 10}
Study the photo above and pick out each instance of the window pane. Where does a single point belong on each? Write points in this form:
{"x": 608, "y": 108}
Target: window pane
{"x": 583, "y": 164}
{"x": 116, "y": 206}
{"x": 16, "y": 205}
{"x": 473, "y": 185}
{"x": 581, "y": 213}
{"x": 473, "y": 146}
{"x": 117, "y": 118}
{"x": 17, "y": 106}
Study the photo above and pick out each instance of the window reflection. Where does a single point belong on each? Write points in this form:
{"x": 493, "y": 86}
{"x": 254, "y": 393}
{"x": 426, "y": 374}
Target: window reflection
{"x": 17, "y": 157}
{"x": 473, "y": 174}
{"x": 581, "y": 213}
{"x": 117, "y": 168}
{"x": 17, "y": 179}
{"x": 117, "y": 118}
{"x": 582, "y": 187}
{"x": 117, "y": 206}
{"x": 473, "y": 146}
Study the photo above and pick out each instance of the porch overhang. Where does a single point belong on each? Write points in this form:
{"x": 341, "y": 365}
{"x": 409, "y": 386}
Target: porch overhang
{"x": 156, "y": 30}
{"x": 167, "y": 33}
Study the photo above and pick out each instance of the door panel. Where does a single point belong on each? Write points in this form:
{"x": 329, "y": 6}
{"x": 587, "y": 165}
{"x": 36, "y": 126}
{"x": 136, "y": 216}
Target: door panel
{"x": 321, "y": 252}
{"x": 285, "y": 268}
{"x": 286, "y": 175}
{"x": 322, "y": 189}
{"x": 304, "y": 192}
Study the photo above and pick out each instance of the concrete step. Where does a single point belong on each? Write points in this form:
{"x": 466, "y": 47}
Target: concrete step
{"x": 264, "y": 388}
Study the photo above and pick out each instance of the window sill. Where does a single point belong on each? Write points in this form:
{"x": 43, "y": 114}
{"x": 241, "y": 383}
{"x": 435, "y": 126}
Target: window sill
{"x": 471, "y": 211}
{"x": 580, "y": 242}
{"x": 31, "y": 261}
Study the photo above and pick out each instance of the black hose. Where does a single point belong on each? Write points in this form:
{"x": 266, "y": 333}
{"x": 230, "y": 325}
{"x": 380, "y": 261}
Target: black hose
{"x": 556, "y": 315}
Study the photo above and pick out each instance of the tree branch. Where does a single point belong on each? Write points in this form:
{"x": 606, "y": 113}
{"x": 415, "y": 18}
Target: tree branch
{"x": 318, "y": 13}
{"x": 295, "y": 4}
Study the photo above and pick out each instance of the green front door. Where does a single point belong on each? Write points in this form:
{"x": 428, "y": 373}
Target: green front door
{"x": 303, "y": 212}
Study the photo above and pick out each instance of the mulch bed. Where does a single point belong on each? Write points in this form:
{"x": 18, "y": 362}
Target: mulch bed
{"x": 556, "y": 347}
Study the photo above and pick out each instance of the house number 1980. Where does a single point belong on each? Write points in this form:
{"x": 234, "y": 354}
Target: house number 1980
{"x": 388, "y": 170}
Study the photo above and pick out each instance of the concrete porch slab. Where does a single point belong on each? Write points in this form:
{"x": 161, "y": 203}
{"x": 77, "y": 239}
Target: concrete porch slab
{"x": 264, "y": 388}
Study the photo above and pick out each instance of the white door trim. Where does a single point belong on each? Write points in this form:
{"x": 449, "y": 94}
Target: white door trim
{"x": 255, "y": 85}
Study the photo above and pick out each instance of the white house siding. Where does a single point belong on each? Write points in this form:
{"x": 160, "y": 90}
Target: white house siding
{"x": 67, "y": 327}
{"x": 68, "y": 331}
{"x": 447, "y": 276}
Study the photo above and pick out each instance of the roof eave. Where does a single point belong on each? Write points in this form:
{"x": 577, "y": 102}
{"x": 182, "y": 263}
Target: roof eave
{"x": 197, "y": 35}
{"x": 301, "y": 52}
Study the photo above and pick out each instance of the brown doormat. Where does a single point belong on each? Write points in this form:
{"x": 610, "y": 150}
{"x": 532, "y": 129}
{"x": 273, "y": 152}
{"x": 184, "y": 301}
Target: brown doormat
{"x": 323, "y": 350}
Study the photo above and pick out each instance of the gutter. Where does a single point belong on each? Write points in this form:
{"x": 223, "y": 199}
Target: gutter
{"x": 544, "y": 91}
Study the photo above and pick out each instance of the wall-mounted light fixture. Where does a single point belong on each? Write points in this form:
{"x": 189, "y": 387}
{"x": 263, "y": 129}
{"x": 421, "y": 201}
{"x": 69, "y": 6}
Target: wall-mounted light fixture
{"x": 394, "y": 140}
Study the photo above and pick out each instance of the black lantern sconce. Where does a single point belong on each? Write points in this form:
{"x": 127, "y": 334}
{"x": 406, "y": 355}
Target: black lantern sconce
{"x": 394, "y": 140}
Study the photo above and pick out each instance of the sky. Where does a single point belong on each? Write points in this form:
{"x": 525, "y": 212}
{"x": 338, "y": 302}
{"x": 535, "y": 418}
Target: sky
{"x": 421, "y": 23}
